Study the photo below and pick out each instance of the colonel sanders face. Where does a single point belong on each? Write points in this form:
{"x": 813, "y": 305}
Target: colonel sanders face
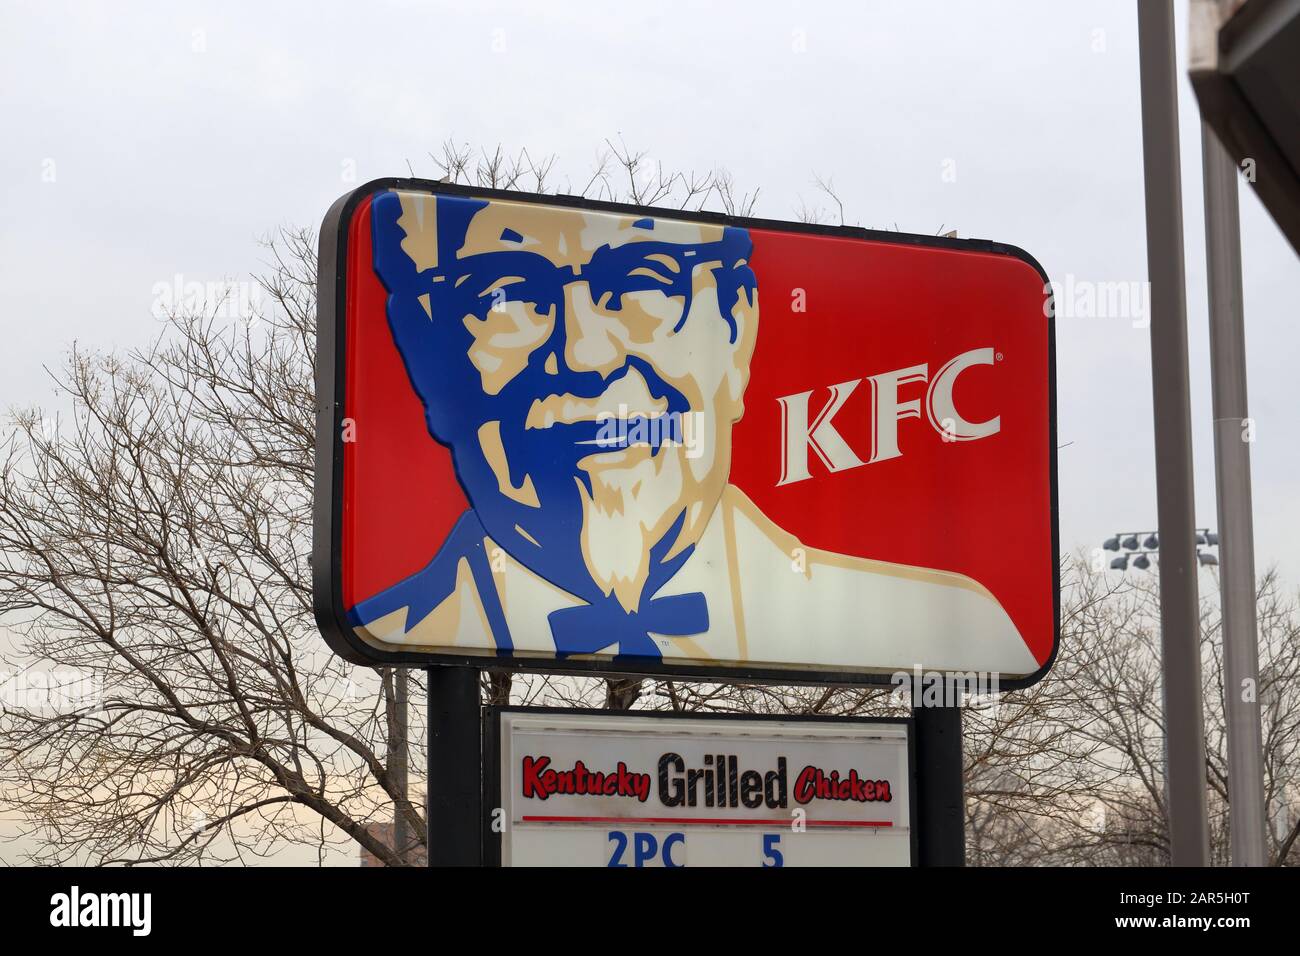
{"x": 584, "y": 367}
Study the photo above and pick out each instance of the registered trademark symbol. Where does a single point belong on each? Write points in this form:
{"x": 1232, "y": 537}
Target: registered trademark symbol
{"x": 997, "y": 357}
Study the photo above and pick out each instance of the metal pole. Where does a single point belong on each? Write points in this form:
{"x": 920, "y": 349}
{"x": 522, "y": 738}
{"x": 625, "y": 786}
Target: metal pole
{"x": 399, "y": 762}
{"x": 1175, "y": 507}
{"x": 1232, "y": 481}
{"x": 455, "y": 767}
{"x": 940, "y": 799}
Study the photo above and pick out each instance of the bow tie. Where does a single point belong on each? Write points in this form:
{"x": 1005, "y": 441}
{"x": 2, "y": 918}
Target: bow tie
{"x": 591, "y": 627}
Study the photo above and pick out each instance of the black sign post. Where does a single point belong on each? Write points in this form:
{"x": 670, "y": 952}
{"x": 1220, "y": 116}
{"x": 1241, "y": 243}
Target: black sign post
{"x": 455, "y": 768}
{"x": 940, "y": 804}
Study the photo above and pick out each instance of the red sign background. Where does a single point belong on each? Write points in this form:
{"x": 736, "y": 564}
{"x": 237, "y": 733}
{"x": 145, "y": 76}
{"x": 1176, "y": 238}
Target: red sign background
{"x": 981, "y": 508}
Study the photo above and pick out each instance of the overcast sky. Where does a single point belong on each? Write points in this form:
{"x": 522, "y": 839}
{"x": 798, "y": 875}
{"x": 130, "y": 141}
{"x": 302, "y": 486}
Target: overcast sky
{"x": 144, "y": 141}
{"x": 175, "y": 134}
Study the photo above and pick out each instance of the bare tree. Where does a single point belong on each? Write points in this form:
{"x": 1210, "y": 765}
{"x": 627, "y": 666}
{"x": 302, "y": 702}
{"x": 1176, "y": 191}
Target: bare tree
{"x": 157, "y": 540}
{"x": 1082, "y": 782}
{"x": 815, "y": 214}
{"x": 154, "y": 559}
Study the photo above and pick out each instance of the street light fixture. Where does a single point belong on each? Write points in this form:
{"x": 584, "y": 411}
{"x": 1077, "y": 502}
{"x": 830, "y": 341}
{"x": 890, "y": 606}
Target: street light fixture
{"x": 1140, "y": 556}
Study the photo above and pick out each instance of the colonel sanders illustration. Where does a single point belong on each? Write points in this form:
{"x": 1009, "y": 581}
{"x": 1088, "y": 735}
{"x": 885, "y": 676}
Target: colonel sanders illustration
{"x": 586, "y": 368}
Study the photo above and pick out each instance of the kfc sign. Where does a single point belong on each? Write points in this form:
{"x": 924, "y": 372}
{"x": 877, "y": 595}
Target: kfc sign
{"x": 573, "y": 436}
{"x": 797, "y": 436}
{"x": 631, "y": 789}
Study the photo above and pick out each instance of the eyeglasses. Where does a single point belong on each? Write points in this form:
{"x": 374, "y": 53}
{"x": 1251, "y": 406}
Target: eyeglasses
{"x": 476, "y": 284}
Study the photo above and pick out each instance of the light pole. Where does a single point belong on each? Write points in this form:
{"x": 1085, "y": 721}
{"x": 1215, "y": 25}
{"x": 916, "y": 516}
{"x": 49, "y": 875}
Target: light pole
{"x": 1232, "y": 482}
{"x": 1189, "y": 837}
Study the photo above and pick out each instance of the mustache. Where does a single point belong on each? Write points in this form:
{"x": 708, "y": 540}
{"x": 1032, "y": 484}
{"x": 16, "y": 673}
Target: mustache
{"x": 576, "y": 400}
{"x": 635, "y": 390}
{"x": 629, "y": 394}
